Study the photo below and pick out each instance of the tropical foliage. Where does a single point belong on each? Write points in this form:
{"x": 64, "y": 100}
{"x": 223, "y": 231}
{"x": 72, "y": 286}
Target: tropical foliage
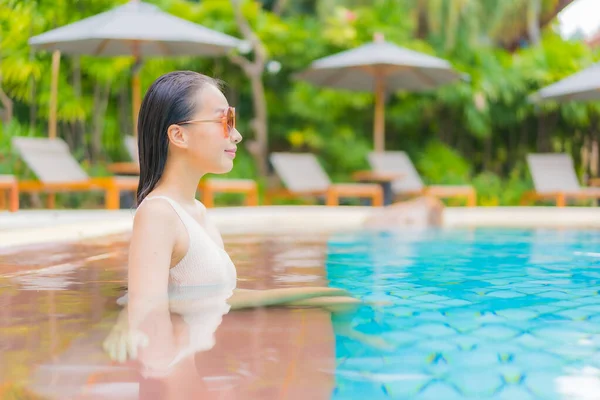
{"x": 477, "y": 131}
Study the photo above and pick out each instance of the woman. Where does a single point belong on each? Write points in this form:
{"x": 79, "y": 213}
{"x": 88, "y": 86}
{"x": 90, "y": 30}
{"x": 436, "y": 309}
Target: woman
{"x": 186, "y": 129}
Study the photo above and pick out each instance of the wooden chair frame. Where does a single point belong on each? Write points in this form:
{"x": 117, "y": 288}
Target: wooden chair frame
{"x": 441, "y": 192}
{"x": 469, "y": 194}
{"x": 111, "y": 186}
{"x": 210, "y": 187}
{"x": 333, "y": 194}
{"x": 560, "y": 198}
{"x": 9, "y": 188}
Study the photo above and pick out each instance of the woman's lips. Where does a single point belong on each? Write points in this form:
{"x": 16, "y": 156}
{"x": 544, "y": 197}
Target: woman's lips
{"x": 230, "y": 153}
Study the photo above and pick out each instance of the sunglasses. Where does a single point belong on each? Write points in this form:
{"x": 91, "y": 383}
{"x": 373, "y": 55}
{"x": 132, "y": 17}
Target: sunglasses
{"x": 227, "y": 120}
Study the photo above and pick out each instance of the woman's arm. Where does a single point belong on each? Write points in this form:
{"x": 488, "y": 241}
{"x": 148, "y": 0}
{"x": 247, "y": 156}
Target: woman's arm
{"x": 245, "y": 298}
{"x": 152, "y": 242}
{"x": 153, "y": 239}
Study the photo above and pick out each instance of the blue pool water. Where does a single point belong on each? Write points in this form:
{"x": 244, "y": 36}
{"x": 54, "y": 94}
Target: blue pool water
{"x": 482, "y": 314}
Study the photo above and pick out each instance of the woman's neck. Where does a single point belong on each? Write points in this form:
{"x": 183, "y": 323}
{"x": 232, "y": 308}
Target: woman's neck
{"x": 179, "y": 182}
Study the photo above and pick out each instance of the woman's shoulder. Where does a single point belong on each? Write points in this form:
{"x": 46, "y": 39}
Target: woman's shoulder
{"x": 156, "y": 228}
{"x": 201, "y": 206}
{"x": 155, "y": 211}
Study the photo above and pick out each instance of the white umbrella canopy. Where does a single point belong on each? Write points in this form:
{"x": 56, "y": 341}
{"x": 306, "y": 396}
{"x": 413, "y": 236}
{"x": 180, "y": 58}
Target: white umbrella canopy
{"x": 134, "y": 29}
{"x": 402, "y": 69}
{"x": 581, "y": 86}
{"x": 381, "y": 67}
{"x": 137, "y": 29}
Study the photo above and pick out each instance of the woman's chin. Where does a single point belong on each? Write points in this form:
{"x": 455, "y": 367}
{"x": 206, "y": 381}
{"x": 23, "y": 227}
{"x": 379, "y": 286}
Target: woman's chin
{"x": 224, "y": 168}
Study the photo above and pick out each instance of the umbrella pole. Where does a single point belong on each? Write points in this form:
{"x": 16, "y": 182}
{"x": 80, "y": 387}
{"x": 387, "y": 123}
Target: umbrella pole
{"x": 379, "y": 124}
{"x": 53, "y": 94}
{"x": 136, "y": 87}
{"x": 135, "y": 91}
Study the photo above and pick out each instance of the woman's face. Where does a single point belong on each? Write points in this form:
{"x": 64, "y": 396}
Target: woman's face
{"x": 211, "y": 146}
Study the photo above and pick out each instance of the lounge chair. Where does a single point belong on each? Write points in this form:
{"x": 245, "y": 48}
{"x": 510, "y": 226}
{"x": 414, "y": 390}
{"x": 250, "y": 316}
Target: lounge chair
{"x": 58, "y": 171}
{"x": 411, "y": 184}
{"x": 10, "y": 188}
{"x": 208, "y": 187}
{"x": 554, "y": 178}
{"x": 302, "y": 175}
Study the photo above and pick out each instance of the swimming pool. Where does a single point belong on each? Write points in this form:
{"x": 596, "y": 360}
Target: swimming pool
{"x": 449, "y": 314}
{"x": 486, "y": 313}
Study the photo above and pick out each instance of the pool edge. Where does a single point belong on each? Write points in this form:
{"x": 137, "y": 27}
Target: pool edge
{"x": 58, "y": 226}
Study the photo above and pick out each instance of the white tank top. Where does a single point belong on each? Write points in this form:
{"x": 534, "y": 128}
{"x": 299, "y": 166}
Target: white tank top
{"x": 205, "y": 263}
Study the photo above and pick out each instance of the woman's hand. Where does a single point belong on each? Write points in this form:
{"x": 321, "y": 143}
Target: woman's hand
{"x": 122, "y": 342}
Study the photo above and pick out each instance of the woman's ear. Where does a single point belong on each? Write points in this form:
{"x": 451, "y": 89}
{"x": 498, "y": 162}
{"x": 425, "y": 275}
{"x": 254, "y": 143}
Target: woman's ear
{"x": 177, "y": 136}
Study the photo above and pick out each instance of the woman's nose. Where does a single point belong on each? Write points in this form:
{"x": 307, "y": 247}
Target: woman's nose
{"x": 236, "y": 136}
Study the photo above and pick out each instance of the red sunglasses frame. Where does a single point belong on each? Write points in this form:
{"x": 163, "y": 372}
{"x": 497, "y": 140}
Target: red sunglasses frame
{"x": 224, "y": 120}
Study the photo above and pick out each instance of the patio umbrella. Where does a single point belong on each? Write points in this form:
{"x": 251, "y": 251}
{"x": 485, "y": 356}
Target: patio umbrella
{"x": 137, "y": 29}
{"x": 583, "y": 85}
{"x": 381, "y": 67}
{"x": 580, "y": 86}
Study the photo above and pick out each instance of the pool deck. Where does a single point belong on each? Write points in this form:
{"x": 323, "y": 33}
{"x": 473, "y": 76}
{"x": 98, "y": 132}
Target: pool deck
{"x": 50, "y": 226}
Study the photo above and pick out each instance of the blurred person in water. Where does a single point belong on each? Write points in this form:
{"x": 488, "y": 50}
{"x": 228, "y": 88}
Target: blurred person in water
{"x": 186, "y": 129}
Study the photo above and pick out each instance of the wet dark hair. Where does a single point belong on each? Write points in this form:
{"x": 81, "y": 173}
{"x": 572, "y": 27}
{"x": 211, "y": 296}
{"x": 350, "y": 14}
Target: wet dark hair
{"x": 170, "y": 99}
